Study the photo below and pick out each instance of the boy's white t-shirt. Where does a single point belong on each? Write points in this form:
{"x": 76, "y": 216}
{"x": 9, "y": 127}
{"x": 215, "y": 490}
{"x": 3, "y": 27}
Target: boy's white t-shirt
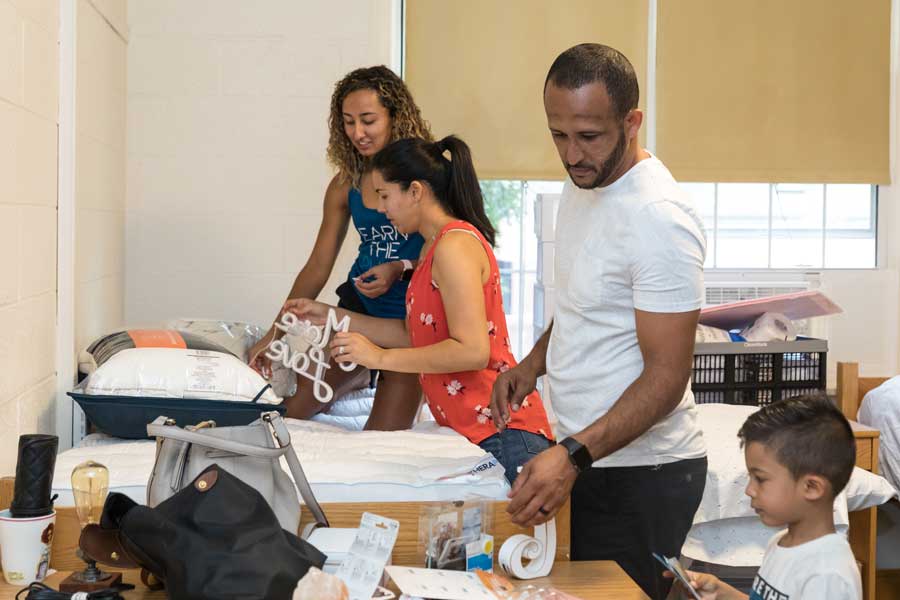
{"x": 635, "y": 244}
{"x": 823, "y": 569}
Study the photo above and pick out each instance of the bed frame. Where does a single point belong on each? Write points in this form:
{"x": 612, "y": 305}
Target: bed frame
{"x": 347, "y": 514}
{"x": 851, "y": 389}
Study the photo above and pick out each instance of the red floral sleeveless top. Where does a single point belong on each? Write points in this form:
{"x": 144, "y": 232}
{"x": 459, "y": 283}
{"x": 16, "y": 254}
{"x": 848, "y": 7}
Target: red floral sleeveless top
{"x": 462, "y": 400}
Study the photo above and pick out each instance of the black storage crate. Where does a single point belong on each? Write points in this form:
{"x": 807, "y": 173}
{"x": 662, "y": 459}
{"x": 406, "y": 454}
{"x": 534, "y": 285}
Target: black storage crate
{"x": 757, "y": 373}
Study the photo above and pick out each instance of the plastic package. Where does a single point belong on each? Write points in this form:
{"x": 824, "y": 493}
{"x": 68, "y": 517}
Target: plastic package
{"x": 317, "y": 585}
{"x": 770, "y": 327}
{"x": 446, "y": 528}
{"x": 235, "y": 336}
{"x": 108, "y": 346}
{"x": 505, "y": 590}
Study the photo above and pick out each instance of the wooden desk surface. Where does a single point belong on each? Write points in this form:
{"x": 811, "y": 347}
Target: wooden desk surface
{"x": 589, "y": 580}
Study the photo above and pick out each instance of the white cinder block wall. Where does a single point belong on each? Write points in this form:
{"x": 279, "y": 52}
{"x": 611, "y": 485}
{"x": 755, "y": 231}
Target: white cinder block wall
{"x": 100, "y": 127}
{"x": 28, "y": 145}
{"x": 227, "y": 109}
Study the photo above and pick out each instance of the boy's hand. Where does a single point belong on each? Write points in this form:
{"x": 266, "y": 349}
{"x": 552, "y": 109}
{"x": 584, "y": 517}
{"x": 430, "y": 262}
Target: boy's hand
{"x": 708, "y": 586}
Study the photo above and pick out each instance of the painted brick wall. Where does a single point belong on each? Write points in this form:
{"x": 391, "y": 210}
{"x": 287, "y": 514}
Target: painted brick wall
{"x": 28, "y": 149}
{"x": 227, "y": 109}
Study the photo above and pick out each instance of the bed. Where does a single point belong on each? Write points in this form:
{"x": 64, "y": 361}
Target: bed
{"x": 350, "y": 471}
{"x": 728, "y": 534}
{"x": 851, "y": 391}
{"x": 399, "y": 482}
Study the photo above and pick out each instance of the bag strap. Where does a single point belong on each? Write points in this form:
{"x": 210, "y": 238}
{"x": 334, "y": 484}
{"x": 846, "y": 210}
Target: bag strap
{"x": 159, "y": 429}
{"x": 261, "y": 392}
{"x": 284, "y": 440}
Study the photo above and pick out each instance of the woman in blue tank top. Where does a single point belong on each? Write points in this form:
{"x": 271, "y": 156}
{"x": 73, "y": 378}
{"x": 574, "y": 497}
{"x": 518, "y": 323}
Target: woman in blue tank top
{"x": 370, "y": 108}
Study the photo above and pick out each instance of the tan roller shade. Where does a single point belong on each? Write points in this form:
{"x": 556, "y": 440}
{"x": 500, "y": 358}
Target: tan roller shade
{"x": 477, "y": 69}
{"x": 774, "y": 90}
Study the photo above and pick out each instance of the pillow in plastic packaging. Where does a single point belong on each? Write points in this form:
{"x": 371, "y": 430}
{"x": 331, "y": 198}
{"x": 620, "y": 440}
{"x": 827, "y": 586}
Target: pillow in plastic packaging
{"x": 107, "y": 346}
{"x": 179, "y": 373}
{"x": 234, "y": 336}
{"x": 137, "y": 385}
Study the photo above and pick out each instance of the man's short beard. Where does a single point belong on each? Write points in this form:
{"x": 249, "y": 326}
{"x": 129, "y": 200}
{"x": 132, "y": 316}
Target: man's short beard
{"x": 610, "y": 164}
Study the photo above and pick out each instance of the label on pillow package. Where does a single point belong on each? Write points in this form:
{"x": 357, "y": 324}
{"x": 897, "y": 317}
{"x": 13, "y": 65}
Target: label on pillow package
{"x": 156, "y": 338}
{"x": 178, "y": 373}
{"x": 369, "y": 554}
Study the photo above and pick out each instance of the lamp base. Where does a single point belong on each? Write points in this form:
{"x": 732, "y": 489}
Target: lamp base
{"x": 75, "y": 582}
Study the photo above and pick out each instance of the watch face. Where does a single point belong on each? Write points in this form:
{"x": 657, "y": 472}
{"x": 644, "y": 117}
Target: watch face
{"x": 579, "y": 455}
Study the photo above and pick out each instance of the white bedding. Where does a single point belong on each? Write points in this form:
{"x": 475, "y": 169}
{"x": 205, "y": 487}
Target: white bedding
{"x": 429, "y": 463}
{"x": 726, "y": 529}
{"x": 350, "y": 411}
{"x": 881, "y": 409}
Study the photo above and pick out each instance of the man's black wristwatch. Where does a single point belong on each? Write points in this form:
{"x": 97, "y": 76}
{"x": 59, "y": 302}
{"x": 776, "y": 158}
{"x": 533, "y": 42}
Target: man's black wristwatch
{"x": 579, "y": 455}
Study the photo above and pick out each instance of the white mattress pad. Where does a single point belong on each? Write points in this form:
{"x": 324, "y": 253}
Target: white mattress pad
{"x": 428, "y": 463}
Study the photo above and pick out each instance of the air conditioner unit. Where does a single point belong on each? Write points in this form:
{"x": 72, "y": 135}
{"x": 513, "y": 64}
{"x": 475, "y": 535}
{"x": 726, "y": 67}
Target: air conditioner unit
{"x": 723, "y": 287}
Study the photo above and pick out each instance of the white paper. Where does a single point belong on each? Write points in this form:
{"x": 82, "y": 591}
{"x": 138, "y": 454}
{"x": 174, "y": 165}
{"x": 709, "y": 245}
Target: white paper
{"x": 438, "y": 584}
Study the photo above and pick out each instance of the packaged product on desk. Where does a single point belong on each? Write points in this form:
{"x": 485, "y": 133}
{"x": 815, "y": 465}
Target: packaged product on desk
{"x": 455, "y": 536}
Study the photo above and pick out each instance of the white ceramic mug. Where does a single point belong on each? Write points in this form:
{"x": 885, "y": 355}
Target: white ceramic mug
{"x": 25, "y": 547}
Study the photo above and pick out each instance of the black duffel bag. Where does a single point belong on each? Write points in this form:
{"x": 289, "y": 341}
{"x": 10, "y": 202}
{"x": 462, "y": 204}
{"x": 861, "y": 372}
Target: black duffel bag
{"x": 216, "y": 539}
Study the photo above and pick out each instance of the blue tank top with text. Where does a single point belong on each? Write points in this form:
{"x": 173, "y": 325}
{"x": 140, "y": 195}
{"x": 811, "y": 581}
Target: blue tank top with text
{"x": 380, "y": 242}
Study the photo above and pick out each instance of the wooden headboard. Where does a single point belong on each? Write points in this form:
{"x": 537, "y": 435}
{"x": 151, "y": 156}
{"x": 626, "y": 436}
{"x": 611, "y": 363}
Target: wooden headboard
{"x": 851, "y": 388}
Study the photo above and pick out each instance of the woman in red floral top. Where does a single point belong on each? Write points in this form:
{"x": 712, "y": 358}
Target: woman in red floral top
{"x": 455, "y": 323}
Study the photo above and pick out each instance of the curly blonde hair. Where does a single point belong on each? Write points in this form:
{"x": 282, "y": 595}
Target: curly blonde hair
{"x": 406, "y": 119}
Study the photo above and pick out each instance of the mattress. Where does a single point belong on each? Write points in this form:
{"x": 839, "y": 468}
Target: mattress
{"x": 425, "y": 464}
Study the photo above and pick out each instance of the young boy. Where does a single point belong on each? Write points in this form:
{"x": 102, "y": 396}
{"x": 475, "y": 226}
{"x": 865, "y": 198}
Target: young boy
{"x": 800, "y": 453}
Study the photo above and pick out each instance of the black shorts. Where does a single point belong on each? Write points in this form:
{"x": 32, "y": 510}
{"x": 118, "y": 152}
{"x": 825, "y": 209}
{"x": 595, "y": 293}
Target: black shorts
{"x": 348, "y": 298}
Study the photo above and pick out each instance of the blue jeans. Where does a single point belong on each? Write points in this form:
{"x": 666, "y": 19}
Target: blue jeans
{"x": 513, "y": 448}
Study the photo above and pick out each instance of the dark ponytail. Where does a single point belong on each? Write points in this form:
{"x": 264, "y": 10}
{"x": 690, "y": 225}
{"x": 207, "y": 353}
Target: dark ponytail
{"x": 453, "y": 181}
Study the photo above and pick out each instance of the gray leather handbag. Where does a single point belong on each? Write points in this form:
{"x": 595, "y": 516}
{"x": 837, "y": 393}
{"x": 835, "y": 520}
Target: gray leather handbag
{"x": 251, "y": 453}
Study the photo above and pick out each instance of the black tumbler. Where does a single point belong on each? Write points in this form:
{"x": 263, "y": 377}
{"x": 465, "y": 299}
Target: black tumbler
{"x": 34, "y": 476}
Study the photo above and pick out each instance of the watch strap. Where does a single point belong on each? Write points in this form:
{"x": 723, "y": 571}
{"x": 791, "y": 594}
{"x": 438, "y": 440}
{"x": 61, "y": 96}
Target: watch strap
{"x": 579, "y": 455}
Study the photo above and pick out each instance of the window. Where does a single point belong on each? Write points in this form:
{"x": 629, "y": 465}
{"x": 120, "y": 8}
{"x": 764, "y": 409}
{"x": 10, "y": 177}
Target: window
{"x": 510, "y": 206}
{"x": 748, "y": 226}
{"x": 788, "y": 226}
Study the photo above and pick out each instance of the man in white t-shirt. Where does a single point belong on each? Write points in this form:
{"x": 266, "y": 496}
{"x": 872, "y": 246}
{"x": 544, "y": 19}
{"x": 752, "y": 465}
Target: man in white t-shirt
{"x": 629, "y": 284}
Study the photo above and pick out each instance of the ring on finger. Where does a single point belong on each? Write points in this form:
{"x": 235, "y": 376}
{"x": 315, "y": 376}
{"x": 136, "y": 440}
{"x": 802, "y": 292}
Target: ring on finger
{"x": 340, "y": 350}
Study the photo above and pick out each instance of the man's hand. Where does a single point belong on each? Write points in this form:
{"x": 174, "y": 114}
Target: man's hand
{"x": 347, "y": 347}
{"x": 379, "y": 279}
{"x": 510, "y": 389}
{"x": 542, "y": 487}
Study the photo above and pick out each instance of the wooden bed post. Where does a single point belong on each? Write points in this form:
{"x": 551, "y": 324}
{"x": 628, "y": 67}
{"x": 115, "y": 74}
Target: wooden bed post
{"x": 848, "y": 389}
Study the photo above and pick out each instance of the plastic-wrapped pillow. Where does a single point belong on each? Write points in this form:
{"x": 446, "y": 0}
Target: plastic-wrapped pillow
{"x": 107, "y": 346}
{"x": 235, "y": 336}
{"x": 137, "y": 385}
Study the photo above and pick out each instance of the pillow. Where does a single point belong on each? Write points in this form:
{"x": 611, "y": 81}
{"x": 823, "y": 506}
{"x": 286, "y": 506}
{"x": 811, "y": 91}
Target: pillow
{"x": 865, "y": 490}
{"x": 179, "y": 373}
{"x": 234, "y": 336}
{"x": 137, "y": 385}
{"x": 107, "y": 346}
{"x": 726, "y": 479}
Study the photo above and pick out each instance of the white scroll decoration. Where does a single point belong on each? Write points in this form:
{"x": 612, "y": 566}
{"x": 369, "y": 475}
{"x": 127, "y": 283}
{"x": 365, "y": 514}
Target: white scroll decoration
{"x": 300, "y": 362}
{"x": 539, "y": 550}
